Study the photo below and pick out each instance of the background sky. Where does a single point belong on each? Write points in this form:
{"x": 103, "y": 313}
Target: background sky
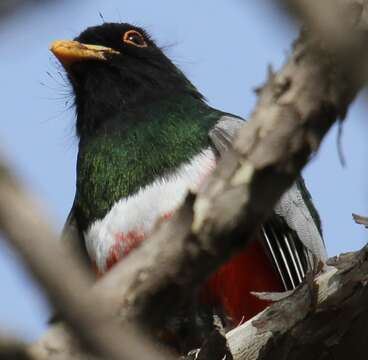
{"x": 223, "y": 46}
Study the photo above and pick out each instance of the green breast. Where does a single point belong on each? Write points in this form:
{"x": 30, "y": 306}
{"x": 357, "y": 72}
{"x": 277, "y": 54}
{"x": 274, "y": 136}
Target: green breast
{"x": 146, "y": 145}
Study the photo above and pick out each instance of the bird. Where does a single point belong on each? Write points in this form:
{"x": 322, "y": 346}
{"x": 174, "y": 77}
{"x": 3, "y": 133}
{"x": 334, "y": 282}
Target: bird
{"x": 147, "y": 137}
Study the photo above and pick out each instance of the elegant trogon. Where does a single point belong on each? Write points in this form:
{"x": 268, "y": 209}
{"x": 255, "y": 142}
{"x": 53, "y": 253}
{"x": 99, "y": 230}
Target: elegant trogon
{"x": 146, "y": 137}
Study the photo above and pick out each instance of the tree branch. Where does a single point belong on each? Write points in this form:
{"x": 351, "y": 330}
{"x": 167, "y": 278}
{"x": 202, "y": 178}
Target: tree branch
{"x": 11, "y": 349}
{"x": 324, "y": 319}
{"x": 361, "y": 220}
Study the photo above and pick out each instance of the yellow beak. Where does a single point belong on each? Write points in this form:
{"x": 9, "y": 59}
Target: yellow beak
{"x": 69, "y": 52}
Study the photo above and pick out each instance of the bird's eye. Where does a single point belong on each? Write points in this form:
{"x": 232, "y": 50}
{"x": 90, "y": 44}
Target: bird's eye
{"x": 135, "y": 38}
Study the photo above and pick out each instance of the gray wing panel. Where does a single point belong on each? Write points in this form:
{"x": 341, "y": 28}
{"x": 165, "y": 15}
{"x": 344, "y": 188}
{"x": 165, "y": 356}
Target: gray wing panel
{"x": 223, "y": 134}
{"x": 297, "y": 215}
{"x": 292, "y": 225}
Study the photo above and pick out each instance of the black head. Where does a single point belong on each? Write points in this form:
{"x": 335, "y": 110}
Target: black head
{"x": 116, "y": 69}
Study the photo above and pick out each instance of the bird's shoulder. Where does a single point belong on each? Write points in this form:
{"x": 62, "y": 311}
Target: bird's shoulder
{"x": 224, "y": 131}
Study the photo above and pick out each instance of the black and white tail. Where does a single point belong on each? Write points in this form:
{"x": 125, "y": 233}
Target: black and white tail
{"x": 288, "y": 254}
{"x": 293, "y": 236}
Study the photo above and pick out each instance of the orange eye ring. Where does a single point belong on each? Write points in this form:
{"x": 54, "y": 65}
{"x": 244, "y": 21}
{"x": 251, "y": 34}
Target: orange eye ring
{"x": 135, "y": 38}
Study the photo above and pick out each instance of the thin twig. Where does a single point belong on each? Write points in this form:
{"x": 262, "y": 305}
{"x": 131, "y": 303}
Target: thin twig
{"x": 361, "y": 220}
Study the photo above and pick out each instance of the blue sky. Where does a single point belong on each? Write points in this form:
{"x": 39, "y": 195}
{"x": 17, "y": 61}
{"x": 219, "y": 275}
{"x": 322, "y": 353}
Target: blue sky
{"x": 223, "y": 46}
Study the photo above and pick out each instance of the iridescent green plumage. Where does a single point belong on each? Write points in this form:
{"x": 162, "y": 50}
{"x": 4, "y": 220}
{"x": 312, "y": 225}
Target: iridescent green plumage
{"x": 116, "y": 165}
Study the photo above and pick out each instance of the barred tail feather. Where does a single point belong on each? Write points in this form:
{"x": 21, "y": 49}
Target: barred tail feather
{"x": 288, "y": 254}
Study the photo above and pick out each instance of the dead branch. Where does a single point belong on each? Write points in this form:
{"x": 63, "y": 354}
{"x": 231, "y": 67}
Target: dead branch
{"x": 361, "y": 220}
{"x": 12, "y": 349}
{"x": 323, "y": 319}
{"x": 331, "y": 20}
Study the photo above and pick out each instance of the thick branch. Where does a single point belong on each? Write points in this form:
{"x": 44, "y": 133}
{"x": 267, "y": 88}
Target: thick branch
{"x": 11, "y": 349}
{"x": 324, "y": 319}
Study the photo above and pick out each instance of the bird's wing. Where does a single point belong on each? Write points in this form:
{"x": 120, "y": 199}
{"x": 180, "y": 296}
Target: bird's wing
{"x": 72, "y": 237}
{"x": 292, "y": 235}
{"x": 296, "y": 207}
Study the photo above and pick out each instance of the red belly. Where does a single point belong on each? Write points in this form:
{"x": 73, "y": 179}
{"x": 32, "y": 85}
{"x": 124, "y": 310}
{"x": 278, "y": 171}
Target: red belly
{"x": 230, "y": 287}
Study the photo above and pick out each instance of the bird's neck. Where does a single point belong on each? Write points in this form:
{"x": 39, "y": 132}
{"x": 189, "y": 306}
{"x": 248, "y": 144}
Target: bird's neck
{"x": 106, "y": 94}
{"x": 137, "y": 148}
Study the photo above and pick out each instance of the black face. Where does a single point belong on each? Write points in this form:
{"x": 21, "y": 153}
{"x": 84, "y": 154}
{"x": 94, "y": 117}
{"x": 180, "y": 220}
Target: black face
{"x": 130, "y": 41}
{"x": 135, "y": 73}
